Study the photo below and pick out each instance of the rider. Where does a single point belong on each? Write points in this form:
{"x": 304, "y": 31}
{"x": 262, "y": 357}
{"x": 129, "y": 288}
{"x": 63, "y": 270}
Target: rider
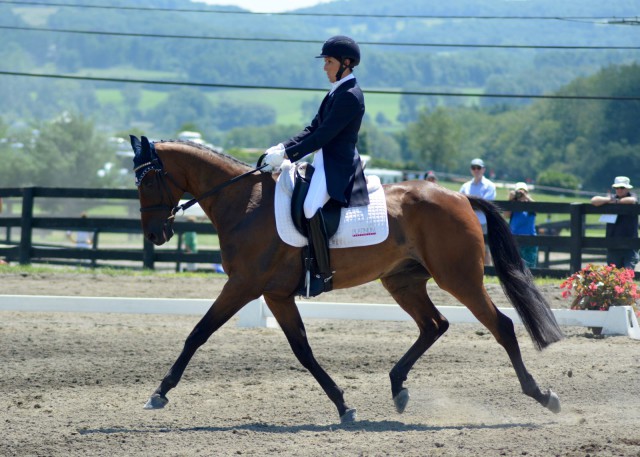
{"x": 332, "y": 135}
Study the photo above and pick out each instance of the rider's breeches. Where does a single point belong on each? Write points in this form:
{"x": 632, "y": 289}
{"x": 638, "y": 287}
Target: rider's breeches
{"x": 317, "y": 195}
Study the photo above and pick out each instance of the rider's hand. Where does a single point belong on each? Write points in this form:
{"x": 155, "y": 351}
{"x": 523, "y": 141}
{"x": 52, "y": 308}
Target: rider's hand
{"x": 274, "y": 157}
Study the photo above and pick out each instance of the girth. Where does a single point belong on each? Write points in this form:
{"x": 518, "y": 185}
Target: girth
{"x": 330, "y": 211}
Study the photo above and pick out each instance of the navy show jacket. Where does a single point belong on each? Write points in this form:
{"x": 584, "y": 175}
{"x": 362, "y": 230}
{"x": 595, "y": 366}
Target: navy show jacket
{"x": 335, "y": 129}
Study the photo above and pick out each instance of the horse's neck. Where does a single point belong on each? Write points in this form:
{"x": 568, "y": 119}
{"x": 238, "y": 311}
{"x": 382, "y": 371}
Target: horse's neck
{"x": 198, "y": 170}
{"x": 202, "y": 172}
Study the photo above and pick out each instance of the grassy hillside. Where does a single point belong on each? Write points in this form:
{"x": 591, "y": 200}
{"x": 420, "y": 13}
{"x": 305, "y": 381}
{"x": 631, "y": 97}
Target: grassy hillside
{"x": 288, "y": 104}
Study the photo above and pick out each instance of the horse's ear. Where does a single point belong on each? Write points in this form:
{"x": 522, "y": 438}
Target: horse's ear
{"x": 140, "y": 154}
{"x": 146, "y": 149}
{"x": 135, "y": 144}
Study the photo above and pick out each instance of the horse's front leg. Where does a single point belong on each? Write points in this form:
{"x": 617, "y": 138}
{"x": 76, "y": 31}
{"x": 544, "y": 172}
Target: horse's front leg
{"x": 286, "y": 313}
{"x": 227, "y": 304}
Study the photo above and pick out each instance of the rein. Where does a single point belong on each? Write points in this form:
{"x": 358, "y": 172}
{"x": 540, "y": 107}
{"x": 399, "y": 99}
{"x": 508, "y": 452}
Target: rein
{"x": 176, "y": 208}
{"x": 212, "y": 191}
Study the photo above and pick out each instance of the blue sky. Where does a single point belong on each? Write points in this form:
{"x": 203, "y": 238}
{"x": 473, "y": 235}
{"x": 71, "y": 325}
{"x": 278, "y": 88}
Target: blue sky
{"x": 266, "y": 6}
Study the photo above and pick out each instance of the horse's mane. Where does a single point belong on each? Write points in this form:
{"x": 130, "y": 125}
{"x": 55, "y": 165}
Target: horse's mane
{"x": 207, "y": 150}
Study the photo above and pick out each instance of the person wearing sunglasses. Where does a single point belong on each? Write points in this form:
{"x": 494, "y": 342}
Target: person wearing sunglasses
{"x": 481, "y": 187}
{"x": 620, "y": 225}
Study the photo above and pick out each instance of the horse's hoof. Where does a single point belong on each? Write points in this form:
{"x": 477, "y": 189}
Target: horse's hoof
{"x": 553, "y": 404}
{"x": 401, "y": 400}
{"x": 156, "y": 401}
{"x": 348, "y": 416}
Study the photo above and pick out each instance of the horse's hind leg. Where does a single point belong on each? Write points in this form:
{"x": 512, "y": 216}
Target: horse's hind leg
{"x": 411, "y": 294}
{"x": 479, "y": 303}
{"x": 287, "y": 315}
{"x": 507, "y": 339}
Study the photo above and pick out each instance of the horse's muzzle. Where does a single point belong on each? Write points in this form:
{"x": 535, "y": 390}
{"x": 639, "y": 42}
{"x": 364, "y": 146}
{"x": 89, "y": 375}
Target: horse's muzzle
{"x": 162, "y": 236}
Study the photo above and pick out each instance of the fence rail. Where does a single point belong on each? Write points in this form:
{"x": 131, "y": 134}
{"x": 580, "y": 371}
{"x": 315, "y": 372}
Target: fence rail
{"x": 26, "y": 251}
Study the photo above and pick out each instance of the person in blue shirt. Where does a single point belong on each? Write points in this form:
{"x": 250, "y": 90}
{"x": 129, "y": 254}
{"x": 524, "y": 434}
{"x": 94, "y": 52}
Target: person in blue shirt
{"x": 482, "y": 187}
{"x": 523, "y": 223}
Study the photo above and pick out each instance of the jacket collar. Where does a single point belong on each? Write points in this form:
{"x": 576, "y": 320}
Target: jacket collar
{"x": 337, "y": 84}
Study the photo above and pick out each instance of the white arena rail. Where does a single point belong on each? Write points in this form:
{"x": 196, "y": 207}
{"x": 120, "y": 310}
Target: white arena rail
{"x": 619, "y": 320}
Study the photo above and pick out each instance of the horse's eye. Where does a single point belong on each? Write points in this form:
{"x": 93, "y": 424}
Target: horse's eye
{"x": 148, "y": 183}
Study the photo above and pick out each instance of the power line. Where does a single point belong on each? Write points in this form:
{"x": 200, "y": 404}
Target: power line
{"x": 311, "y": 89}
{"x": 315, "y": 14}
{"x": 291, "y": 40}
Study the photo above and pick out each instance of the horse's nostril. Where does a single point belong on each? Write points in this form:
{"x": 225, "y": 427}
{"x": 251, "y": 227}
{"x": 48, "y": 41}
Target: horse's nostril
{"x": 151, "y": 237}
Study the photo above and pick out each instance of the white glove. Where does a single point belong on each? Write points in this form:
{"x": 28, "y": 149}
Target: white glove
{"x": 274, "y": 157}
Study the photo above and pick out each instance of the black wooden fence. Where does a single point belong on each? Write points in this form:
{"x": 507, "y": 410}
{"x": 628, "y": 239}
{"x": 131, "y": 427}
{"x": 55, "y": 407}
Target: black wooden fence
{"x": 574, "y": 243}
{"x": 26, "y": 251}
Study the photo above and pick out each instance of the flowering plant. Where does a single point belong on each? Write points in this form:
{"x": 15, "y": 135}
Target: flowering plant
{"x": 597, "y": 287}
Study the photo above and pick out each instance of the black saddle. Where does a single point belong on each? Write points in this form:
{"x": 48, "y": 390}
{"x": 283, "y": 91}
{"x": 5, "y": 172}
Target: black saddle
{"x": 330, "y": 211}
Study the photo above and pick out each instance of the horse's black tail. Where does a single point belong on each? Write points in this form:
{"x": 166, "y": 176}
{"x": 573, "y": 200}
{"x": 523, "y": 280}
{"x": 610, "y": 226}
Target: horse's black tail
{"x": 516, "y": 279}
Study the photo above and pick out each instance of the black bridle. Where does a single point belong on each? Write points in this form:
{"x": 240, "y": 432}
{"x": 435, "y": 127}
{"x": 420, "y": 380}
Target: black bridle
{"x": 161, "y": 174}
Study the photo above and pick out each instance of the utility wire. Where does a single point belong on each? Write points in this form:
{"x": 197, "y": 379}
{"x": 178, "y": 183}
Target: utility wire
{"x": 290, "y": 40}
{"x": 315, "y": 14}
{"x": 311, "y": 89}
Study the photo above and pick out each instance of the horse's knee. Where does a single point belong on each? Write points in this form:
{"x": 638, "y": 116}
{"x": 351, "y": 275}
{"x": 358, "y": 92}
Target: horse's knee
{"x": 304, "y": 356}
{"x": 197, "y": 338}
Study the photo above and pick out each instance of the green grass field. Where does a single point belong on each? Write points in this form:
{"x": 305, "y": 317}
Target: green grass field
{"x": 288, "y": 105}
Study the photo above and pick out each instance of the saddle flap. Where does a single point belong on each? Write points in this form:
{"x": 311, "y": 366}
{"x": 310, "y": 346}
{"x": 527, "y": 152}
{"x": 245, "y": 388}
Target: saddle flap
{"x": 330, "y": 211}
{"x": 302, "y": 181}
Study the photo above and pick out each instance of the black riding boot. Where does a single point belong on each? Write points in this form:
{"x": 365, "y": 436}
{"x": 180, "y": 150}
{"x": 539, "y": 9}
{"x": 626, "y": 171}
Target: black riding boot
{"x": 321, "y": 278}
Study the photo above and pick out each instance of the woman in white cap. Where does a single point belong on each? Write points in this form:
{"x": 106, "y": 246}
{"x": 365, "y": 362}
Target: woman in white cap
{"x": 523, "y": 223}
{"x": 621, "y": 225}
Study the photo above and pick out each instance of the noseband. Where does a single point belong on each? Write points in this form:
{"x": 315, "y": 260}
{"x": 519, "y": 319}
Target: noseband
{"x": 161, "y": 174}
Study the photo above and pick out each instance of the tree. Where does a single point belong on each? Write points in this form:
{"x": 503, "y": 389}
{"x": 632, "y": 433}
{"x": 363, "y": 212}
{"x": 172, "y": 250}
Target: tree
{"x": 65, "y": 152}
{"x": 433, "y": 138}
{"x": 554, "y": 178}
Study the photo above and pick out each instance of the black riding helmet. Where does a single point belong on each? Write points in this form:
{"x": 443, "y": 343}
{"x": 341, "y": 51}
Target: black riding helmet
{"x": 341, "y": 47}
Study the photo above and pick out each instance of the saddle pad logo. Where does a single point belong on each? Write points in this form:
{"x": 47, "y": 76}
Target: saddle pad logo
{"x": 364, "y": 231}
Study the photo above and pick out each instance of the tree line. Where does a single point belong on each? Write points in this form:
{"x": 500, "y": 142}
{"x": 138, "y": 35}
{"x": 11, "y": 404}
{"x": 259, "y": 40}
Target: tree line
{"x": 573, "y": 143}
{"x": 563, "y": 143}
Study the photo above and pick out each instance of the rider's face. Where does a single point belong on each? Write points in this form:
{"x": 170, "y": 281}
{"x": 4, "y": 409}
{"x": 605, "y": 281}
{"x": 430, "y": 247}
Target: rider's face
{"x": 331, "y": 67}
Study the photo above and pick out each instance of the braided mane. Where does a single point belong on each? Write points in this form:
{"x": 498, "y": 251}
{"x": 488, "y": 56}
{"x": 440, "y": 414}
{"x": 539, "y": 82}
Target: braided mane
{"x": 206, "y": 149}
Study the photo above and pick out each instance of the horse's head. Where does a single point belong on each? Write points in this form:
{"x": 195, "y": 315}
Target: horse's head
{"x": 158, "y": 193}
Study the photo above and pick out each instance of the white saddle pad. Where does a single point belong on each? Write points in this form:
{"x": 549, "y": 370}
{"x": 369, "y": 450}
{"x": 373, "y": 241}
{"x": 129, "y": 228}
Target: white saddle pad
{"x": 359, "y": 225}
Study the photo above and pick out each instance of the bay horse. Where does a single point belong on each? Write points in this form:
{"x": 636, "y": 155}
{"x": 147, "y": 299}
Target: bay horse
{"x": 433, "y": 233}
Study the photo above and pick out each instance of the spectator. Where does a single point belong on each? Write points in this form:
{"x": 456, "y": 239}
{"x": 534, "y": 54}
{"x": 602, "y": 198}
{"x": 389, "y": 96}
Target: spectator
{"x": 523, "y": 223}
{"x": 2, "y": 261}
{"x": 191, "y": 244}
{"x": 430, "y": 176}
{"x": 620, "y": 225}
{"x": 82, "y": 239}
{"x": 482, "y": 187}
